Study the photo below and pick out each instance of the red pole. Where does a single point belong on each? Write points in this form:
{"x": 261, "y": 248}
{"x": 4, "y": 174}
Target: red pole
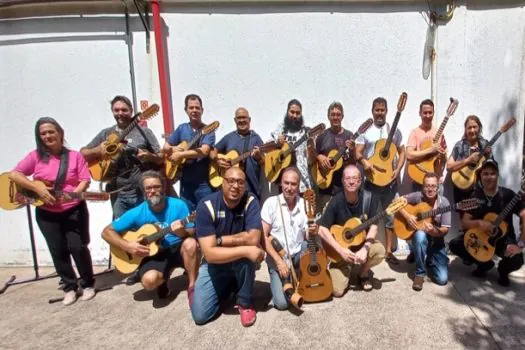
{"x": 157, "y": 28}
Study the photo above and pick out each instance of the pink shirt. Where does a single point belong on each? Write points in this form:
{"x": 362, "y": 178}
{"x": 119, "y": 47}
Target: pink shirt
{"x": 77, "y": 171}
{"x": 418, "y": 135}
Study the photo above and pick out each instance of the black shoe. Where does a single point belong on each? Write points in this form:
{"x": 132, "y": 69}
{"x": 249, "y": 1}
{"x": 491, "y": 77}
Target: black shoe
{"x": 504, "y": 280}
{"x": 163, "y": 291}
{"x": 411, "y": 258}
{"x": 61, "y": 284}
{"x": 481, "y": 270}
{"x": 131, "y": 280}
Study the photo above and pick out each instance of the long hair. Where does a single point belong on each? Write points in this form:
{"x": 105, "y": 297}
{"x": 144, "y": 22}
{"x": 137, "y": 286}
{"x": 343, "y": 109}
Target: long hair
{"x": 41, "y": 149}
{"x": 290, "y": 125}
{"x": 476, "y": 120}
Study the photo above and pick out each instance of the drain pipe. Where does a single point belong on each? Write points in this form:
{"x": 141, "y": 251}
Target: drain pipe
{"x": 129, "y": 42}
{"x": 157, "y": 28}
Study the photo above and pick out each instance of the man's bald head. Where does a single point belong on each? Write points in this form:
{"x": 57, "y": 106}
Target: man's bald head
{"x": 235, "y": 171}
{"x": 241, "y": 111}
{"x": 242, "y": 120}
{"x": 233, "y": 185}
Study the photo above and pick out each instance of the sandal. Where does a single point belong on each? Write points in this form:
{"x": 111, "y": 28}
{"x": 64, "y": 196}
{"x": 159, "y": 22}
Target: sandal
{"x": 391, "y": 259}
{"x": 366, "y": 283}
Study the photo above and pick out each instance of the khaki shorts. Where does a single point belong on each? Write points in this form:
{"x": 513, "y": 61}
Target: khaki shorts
{"x": 340, "y": 272}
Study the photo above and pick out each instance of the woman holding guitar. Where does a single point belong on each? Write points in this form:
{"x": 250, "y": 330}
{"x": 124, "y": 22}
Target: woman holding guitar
{"x": 63, "y": 222}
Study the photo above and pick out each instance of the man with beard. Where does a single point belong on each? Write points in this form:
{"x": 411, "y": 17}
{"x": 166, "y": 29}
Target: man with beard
{"x": 194, "y": 181}
{"x": 429, "y": 243}
{"x": 494, "y": 198}
{"x": 365, "y": 145}
{"x": 229, "y": 231}
{"x": 291, "y": 130}
{"x": 141, "y": 148}
{"x": 177, "y": 249}
{"x": 242, "y": 140}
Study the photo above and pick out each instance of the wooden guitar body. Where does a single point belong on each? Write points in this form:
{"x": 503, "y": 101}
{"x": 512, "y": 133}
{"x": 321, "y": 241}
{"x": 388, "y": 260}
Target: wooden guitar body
{"x": 417, "y": 171}
{"x": 8, "y": 193}
{"x": 315, "y": 283}
{"x": 401, "y": 227}
{"x": 383, "y": 164}
{"x": 480, "y": 244}
{"x": 127, "y": 263}
{"x": 214, "y": 173}
{"x": 324, "y": 179}
{"x": 275, "y": 161}
{"x": 174, "y": 168}
{"x": 466, "y": 177}
{"x": 344, "y": 238}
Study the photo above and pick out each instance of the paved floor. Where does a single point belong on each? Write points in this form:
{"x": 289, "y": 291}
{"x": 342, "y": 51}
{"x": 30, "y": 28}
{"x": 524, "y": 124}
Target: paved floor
{"x": 467, "y": 313}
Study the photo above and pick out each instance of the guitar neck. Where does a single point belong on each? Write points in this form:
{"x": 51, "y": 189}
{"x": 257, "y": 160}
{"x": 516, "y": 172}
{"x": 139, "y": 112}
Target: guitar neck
{"x": 163, "y": 232}
{"x": 493, "y": 140}
{"x": 368, "y": 223}
{"x": 441, "y": 128}
{"x": 508, "y": 208}
{"x": 247, "y": 154}
{"x": 347, "y": 149}
{"x": 434, "y": 212}
{"x": 134, "y": 121}
{"x": 296, "y": 144}
{"x": 195, "y": 139}
{"x": 392, "y": 131}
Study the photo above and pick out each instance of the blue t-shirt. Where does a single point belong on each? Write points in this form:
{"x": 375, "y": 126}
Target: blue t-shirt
{"x": 195, "y": 171}
{"x": 241, "y": 144}
{"x": 133, "y": 219}
{"x": 244, "y": 217}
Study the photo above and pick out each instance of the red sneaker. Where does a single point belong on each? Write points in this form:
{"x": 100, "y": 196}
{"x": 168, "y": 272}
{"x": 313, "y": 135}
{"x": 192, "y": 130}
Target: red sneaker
{"x": 248, "y": 315}
{"x": 191, "y": 290}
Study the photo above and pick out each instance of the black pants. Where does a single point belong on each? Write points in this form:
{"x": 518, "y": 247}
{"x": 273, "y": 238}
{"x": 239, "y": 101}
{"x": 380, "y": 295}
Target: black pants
{"x": 506, "y": 265}
{"x": 66, "y": 234}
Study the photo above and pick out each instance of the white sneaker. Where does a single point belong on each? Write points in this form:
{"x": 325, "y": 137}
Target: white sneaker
{"x": 70, "y": 297}
{"x": 88, "y": 294}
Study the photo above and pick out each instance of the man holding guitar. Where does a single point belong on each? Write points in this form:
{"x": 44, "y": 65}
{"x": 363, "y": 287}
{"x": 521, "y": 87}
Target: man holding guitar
{"x": 242, "y": 140}
{"x": 141, "y": 148}
{"x": 177, "y": 249}
{"x": 284, "y": 218}
{"x": 429, "y": 242}
{"x": 496, "y": 200}
{"x": 365, "y": 148}
{"x": 229, "y": 231}
{"x": 291, "y": 130}
{"x": 334, "y": 138}
{"x": 194, "y": 181}
{"x": 345, "y": 205}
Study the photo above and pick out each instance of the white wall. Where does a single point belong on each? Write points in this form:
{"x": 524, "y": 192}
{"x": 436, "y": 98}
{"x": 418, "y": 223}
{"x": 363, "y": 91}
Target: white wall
{"x": 259, "y": 57}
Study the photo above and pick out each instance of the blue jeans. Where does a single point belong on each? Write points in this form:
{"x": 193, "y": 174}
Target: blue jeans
{"x": 276, "y": 283}
{"x": 436, "y": 257}
{"x": 213, "y": 285}
{"x": 122, "y": 202}
{"x": 193, "y": 193}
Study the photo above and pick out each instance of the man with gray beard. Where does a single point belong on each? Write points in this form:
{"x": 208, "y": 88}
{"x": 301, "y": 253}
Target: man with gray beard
{"x": 177, "y": 249}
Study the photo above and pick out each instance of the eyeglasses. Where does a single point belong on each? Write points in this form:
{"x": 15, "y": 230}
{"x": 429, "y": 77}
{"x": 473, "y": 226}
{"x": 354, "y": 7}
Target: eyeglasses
{"x": 431, "y": 187}
{"x": 231, "y": 181}
{"x": 152, "y": 188}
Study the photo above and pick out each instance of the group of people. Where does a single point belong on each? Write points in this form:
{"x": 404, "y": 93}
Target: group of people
{"x": 220, "y": 251}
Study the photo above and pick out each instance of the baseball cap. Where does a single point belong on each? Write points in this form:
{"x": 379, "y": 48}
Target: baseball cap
{"x": 489, "y": 162}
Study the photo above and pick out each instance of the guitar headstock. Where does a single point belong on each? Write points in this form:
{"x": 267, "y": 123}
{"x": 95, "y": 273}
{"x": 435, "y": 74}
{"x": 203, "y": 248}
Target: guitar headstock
{"x": 509, "y": 124}
{"x": 309, "y": 203}
{"x": 396, "y": 205}
{"x": 316, "y": 130}
{"x": 365, "y": 126}
{"x": 149, "y": 112}
{"x": 95, "y": 196}
{"x": 401, "y": 103}
{"x": 452, "y": 107}
{"x": 210, "y": 127}
{"x": 468, "y": 204}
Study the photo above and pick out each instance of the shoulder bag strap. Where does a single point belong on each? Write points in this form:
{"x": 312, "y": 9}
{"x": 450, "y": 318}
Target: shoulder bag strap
{"x": 62, "y": 170}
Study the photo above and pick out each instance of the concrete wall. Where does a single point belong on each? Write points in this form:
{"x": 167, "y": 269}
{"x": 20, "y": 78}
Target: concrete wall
{"x": 259, "y": 57}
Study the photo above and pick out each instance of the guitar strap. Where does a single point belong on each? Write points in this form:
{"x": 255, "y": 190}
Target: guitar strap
{"x": 246, "y": 146}
{"x": 367, "y": 199}
{"x": 62, "y": 169}
{"x": 279, "y": 204}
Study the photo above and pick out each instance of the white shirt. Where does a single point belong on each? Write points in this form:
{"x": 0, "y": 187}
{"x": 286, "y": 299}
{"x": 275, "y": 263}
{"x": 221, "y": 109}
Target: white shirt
{"x": 375, "y": 133}
{"x": 296, "y": 222}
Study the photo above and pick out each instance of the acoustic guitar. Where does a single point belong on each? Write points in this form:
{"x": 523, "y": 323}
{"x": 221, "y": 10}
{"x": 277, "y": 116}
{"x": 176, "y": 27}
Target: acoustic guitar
{"x": 234, "y": 159}
{"x": 323, "y": 178}
{"x": 385, "y": 152}
{"x": 480, "y": 244}
{"x": 467, "y": 176}
{"x": 149, "y": 235}
{"x": 353, "y": 233}
{"x": 424, "y": 213}
{"x": 315, "y": 283}
{"x": 105, "y": 169}
{"x": 275, "y": 161}
{"x": 433, "y": 163}
{"x": 174, "y": 169}
{"x": 14, "y": 196}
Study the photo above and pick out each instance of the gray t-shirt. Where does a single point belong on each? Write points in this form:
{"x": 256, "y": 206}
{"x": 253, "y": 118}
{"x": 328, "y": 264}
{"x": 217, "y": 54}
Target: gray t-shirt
{"x": 442, "y": 220}
{"x": 129, "y": 166}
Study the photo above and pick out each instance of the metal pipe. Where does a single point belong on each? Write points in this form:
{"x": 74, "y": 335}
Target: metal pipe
{"x": 157, "y": 27}
{"x": 129, "y": 42}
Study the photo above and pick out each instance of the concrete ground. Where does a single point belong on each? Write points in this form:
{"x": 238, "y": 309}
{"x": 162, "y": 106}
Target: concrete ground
{"x": 466, "y": 313}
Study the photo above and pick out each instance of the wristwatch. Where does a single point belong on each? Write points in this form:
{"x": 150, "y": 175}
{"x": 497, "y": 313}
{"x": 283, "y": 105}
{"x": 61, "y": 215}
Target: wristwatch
{"x": 219, "y": 241}
{"x": 521, "y": 244}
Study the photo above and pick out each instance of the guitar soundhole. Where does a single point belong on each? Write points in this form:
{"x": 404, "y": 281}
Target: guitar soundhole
{"x": 384, "y": 154}
{"x": 130, "y": 257}
{"x": 314, "y": 269}
{"x": 111, "y": 148}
